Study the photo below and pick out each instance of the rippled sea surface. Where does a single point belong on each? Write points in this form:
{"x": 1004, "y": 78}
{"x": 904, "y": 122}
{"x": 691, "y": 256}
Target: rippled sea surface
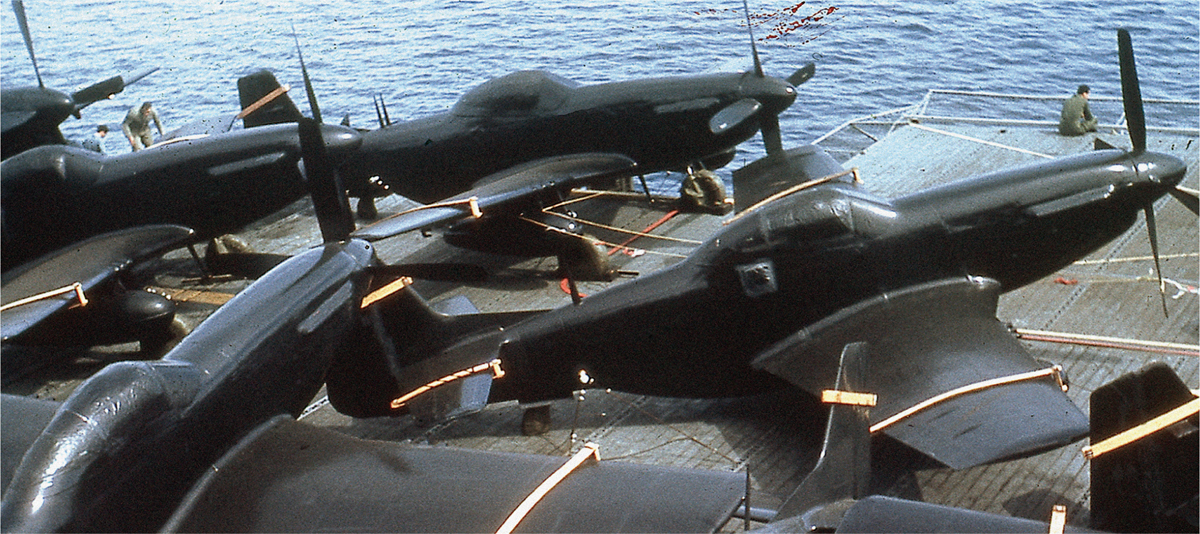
{"x": 422, "y": 54}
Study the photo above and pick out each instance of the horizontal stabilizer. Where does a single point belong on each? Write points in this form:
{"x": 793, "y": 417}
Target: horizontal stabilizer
{"x": 931, "y": 340}
{"x": 770, "y": 175}
{"x": 292, "y": 477}
{"x": 512, "y": 190}
{"x": 89, "y": 263}
{"x": 455, "y": 383}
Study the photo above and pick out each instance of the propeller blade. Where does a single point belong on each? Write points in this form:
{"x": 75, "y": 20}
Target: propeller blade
{"x": 324, "y": 185}
{"x": 1153, "y": 231}
{"x": 436, "y": 272}
{"x": 137, "y": 76}
{"x": 308, "y": 87}
{"x": 733, "y": 115}
{"x": 772, "y": 139}
{"x": 97, "y": 92}
{"x": 19, "y": 9}
{"x": 1189, "y": 199}
{"x": 1131, "y": 94}
{"x": 758, "y": 68}
{"x": 802, "y": 74}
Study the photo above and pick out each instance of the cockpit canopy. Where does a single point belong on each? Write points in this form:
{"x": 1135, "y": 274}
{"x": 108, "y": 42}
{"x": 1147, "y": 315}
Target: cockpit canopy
{"x": 524, "y": 93}
{"x": 817, "y": 216}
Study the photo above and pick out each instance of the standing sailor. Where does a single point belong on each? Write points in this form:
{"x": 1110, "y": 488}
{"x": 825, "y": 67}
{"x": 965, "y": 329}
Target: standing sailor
{"x": 137, "y": 126}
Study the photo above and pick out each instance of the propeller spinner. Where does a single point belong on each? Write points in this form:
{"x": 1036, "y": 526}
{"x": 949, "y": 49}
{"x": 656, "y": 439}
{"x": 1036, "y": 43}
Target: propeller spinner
{"x": 769, "y": 119}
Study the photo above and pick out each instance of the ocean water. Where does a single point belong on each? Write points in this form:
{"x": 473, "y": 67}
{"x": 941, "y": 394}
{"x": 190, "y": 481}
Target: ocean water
{"x": 421, "y": 55}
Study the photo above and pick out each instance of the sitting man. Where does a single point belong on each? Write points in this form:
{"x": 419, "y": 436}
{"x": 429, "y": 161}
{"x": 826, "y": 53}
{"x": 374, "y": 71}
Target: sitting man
{"x": 1076, "y": 118}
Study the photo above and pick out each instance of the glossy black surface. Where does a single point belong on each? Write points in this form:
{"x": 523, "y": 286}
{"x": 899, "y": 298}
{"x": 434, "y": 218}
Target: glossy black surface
{"x": 56, "y": 195}
{"x": 828, "y": 265}
{"x": 138, "y": 435}
{"x": 662, "y": 124}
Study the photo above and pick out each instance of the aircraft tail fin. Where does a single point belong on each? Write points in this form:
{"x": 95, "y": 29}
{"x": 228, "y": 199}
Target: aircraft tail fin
{"x": 392, "y": 356}
{"x": 843, "y": 471}
{"x": 767, "y": 176}
{"x": 278, "y": 110}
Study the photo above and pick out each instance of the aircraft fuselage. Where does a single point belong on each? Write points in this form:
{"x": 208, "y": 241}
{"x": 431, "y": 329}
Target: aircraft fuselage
{"x": 56, "y": 195}
{"x": 662, "y": 124}
{"x": 692, "y": 330}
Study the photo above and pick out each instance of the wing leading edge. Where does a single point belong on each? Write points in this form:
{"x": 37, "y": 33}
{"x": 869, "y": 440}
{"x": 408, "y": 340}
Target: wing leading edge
{"x": 936, "y": 339}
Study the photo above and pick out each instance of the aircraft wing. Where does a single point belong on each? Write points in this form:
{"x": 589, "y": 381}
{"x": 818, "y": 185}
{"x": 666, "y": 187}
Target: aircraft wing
{"x": 90, "y": 263}
{"x": 927, "y": 341}
{"x": 288, "y": 476}
{"x": 511, "y": 190}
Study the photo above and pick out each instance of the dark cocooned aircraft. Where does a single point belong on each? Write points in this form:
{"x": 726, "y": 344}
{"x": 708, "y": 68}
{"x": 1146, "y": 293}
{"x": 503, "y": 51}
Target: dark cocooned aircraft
{"x": 662, "y": 124}
{"x": 73, "y": 217}
{"x": 203, "y": 439}
{"x": 56, "y": 195}
{"x": 773, "y": 298}
{"x": 29, "y": 116}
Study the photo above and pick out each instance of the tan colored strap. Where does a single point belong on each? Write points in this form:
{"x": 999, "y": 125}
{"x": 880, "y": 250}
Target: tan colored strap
{"x": 590, "y": 451}
{"x": 385, "y": 291}
{"x": 852, "y": 398}
{"x": 1055, "y": 372}
{"x": 1145, "y": 429}
{"x": 214, "y": 298}
{"x": 494, "y": 365}
{"x": 794, "y": 189}
{"x": 1058, "y": 519}
{"x": 76, "y": 287}
{"x": 263, "y": 101}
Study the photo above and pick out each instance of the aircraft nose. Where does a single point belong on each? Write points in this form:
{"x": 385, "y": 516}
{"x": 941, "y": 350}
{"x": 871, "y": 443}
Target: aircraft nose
{"x": 1163, "y": 169}
{"x": 340, "y": 141}
{"x": 776, "y": 95}
{"x": 56, "y": 105}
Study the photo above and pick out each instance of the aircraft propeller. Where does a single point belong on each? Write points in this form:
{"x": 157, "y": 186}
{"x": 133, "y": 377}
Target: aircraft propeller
{"x": 324, "y": 182}
{"x": 769, "y": 123}
{"x": 62, "y": 103}
{"x": 332, "y": 206}
{"x": 1135, "y": 116}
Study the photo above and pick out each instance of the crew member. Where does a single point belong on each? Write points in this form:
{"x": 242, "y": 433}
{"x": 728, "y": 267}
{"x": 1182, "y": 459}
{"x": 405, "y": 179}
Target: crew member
{"x": 1076, "y": 118}
{"x": 98, "y": 141}
{"x": 137, "y": 126}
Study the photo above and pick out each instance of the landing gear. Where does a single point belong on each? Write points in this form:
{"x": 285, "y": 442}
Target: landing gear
{"x": 366, "y": 208}
{"x": 536, "y": 420}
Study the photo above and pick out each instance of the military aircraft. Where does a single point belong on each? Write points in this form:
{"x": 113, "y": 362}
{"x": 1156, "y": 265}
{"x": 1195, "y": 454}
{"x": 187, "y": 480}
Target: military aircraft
{"x": 204, "y": 440}
{"x": 75, "y": 222}
{"x": 53, "y": 196}
{"x": 662, "y": 124}
{"x": 771, "y": 300}
{"x": 30, "y": 115}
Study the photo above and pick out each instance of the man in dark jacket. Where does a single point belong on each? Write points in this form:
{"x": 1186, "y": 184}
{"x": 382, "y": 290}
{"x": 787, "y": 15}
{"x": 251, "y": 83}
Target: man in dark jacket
{"x": 1076, "y": 118}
